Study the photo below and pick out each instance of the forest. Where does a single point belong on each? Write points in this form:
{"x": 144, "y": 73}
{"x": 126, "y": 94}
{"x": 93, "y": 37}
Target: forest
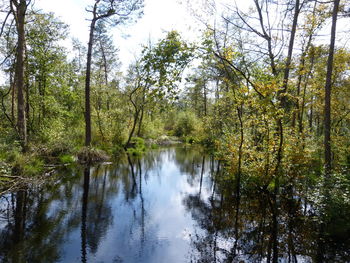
{"x": 263, "y": 94}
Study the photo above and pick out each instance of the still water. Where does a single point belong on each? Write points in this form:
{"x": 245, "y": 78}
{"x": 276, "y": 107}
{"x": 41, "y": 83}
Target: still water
{"x": 167, "y": 206}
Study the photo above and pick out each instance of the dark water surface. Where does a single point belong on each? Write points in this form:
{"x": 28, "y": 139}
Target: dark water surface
{"x": 168, "y": 207}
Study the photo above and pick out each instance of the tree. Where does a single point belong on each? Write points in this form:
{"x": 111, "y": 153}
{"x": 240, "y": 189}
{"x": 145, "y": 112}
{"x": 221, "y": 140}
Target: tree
{"x": 19, "y": 11}
{"x": 297, "y": 9}
{"x": 328, "y": 92}
{"x": 121, "y": 11}
{"x": 156, "y": 75}
{"x": 44, "y": 58}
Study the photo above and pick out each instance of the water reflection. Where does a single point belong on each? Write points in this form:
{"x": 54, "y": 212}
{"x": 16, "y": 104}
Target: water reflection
{"x": 172, "y": 205}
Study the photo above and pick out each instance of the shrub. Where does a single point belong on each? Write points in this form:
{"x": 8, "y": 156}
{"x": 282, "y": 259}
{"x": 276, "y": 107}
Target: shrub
{"x": 185, "y": 124}
{"x": 189, "y": 127}
{"x": 66, "y": 159}
{"x": 27, "y": 165}
{"x": 137, "y": 146}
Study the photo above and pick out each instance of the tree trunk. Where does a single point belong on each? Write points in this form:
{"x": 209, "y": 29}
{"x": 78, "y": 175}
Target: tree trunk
{"x": 27, "y": 90}
{"x": 328, "y": 89}
{"x": 13, "y": 96}
{"x": 136, "y": 117}
{"x": 20, "y": 13}
{"x": 105, "y": 68}
{"x": 290, "y": 52}
{"x": 142, "y": 111}
{"x": 87, "y": 86}
{"x": 140, "y": 123}
{"x": 311, "y": 113}
{"x": 205, "y": 98}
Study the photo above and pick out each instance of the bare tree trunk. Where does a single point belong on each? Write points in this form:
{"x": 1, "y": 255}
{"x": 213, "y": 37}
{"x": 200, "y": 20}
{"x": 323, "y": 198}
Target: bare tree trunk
{"x": 290, "y": 52}
{"x": 13, "y": 96}
{"x": 301, "y": 112}
{"x": 27, "y": 105}
{"x": 105, "y": 69}
{"x": 142, "y": 111}
{"x": 311, "y": 113}
{"x": 87, "y": 85}
{"x": 140, "y": 122}
{"x": 27, "y": 90}
{"x": 99, "y": 122}
{"x": 136, "y": 117}
{"x": 268, "y": 38}
{"x": 20, "y": 13}
{"x": 205, "y": 98}
{"x": 328, "y": 89}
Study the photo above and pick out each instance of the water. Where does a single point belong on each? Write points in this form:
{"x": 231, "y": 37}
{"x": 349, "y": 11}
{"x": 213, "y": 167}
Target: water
{"x": 168, "y": 206}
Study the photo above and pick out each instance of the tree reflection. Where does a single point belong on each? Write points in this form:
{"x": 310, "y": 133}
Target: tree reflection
{"x": 244, "y": 222}
{"x": 99, "y": 213}
{"x": 232, "y": 218}
{"x": 84, "y": 213}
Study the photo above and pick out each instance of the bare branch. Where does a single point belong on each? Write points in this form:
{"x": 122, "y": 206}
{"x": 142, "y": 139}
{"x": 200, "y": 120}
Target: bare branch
{"x": 4, "y": 23}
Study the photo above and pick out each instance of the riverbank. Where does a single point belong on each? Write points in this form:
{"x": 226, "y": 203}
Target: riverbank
{"x": 39, "y": 162}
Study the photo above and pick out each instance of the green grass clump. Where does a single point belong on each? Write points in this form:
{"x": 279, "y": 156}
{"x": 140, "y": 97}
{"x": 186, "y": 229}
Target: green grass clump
{"x": 27, "y": 164}
{"x": 66, "y": 159}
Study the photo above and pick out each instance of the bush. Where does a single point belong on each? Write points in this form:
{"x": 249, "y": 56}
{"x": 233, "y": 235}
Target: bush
{"x": 116, "y": 150}
{"x": 152, "y": 129}
{"x": 137, "y": 146}
{"x": 66, "y": 159}
{"x": 185, "y": 124}
{"x": 189, "y": 127}
{"x": 26, "y": 164}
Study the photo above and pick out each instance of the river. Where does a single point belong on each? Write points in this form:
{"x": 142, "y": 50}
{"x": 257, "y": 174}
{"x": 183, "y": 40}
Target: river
{"x": 167, "y": 206}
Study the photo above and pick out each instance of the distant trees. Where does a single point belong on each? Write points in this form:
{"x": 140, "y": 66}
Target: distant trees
{"x": 155, "y": 77}
{"x": 46, "y": 66}
{"x": 256, "y": 84}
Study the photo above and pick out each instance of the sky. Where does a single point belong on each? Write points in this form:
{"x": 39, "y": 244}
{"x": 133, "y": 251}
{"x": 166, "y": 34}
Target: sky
{"x": 159, "y": 17}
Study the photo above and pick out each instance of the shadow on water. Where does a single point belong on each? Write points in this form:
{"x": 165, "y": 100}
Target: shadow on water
{"x": 173, "y": 205}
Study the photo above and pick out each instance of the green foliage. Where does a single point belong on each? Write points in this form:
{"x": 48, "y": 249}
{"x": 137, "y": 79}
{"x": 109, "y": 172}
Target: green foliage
{"x": 116, "y": 150}
{"x": 165, "y": 62}
{"x": 152, "y": 129}
{"x": 137, "y": 146}
{"x": 154, "y": 146}
{"x": 189, "y": 127}
{"x": 26, "y": 164}
{"x": 66, "y": 159}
